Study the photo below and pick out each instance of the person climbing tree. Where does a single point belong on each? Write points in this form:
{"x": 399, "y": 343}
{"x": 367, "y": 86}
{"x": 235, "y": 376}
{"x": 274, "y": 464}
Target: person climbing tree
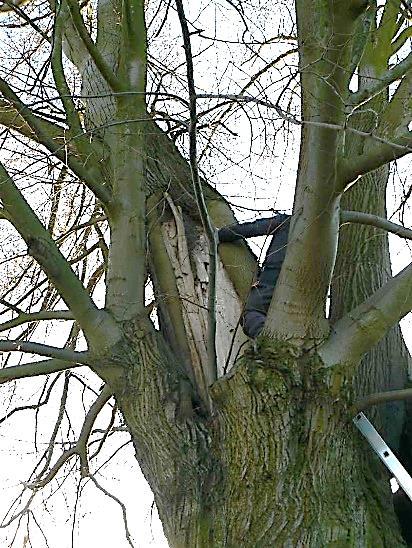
{"x": 258, "y": 301}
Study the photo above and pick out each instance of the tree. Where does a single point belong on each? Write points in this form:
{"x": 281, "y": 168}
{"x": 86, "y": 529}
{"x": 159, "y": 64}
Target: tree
{"x": 243, "y": 443}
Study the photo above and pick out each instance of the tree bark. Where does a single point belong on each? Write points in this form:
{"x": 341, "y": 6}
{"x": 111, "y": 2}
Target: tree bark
{"x": 279, "y": 463}
{"x": 363, "y": 261}
{"x": 362, "y": 266}
{"x": 294, "y": 471}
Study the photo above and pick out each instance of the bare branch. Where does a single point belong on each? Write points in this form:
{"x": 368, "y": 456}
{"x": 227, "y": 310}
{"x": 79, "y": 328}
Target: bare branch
{"x": 120, "y": 503}
{"x": 35, "y": 317}
{"x": 197, "y": 185}
{"x": 106, "y": 432}
{"x": 80, "y": 449}
{"x": 42, "y": 247}
{"x": 14, "y": 6}
{"x": 381, "y": 83}
{"x": 35, "y": 406}
{"x": 60, "y": 151}
{"x": 11, "y": 117}
{"x": 13, "y": 517}
{"x": 35, "y": 369}
{"x": 44, "y": 350}
{"x": 381, "y": 397}
{"x": 381, "y": 150}
{"x": 376, "y": 221}
{"x": 60, "y": 415}
{"x": 89, "y": 421}
{"x": 357, "y": 332}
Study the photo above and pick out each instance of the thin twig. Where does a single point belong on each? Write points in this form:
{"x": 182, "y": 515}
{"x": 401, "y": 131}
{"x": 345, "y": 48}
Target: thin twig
{"x": 33, "y": 407}
{"x": 106, "y": 432}
{"x": 80, "y": 448}
{"x": 197, "y": 185}
{"x": 35, "y": 317}
{"x": 120, "y": 503}
{"x": 284, "y": 115}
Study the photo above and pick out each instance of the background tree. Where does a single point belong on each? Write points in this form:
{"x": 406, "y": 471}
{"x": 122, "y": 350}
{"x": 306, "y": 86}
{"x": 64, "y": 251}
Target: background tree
{"x": 242, "y": 444}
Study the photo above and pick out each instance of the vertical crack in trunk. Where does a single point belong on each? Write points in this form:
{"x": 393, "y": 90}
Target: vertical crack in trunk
{"x": 190, "y": 260}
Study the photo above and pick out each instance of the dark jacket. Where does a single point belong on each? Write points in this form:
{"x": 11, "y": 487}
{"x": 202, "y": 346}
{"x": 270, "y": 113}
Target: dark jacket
{"x": 277, "y": 227}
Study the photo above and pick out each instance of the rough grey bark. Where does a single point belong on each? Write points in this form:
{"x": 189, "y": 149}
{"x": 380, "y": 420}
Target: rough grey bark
{"x": 362, "y": 266}
{"x": 276, "y": 462}
{"x": 363, "y": 261}
{"x": 277, "y": 465}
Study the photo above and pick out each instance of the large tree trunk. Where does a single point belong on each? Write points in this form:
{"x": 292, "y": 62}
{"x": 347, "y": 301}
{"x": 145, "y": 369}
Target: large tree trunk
{"x": 294, "y": 471}
{"x": 363, "y": 261}
{"x": 362, "y": 266}
{"x": 279, "y": 464}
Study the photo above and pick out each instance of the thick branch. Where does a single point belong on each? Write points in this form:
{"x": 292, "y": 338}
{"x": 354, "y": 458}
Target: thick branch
{"x": 74, "y": 49}
{"x": 35, "y": 369}
{"x": 168, "y": 171}
{"x": 382, "y": 152}
{"x": 62, "y": 16}
{"x": 165, "y": 279}
{"x": 358, "y": 331}
{"x": 91, "y": 47}
{"x": 297, "y": 311}
{"x": 390, "y": 17}
{"x": 41, "y": 246}
{"x": 360, "y": 39}
{"x": 381, "y": 397}
{"x": 126, "y": 267}
{"x": 401, "y": 39}
{"x": 10, "y": 117}
{"x": 397, "y": 115}
{"x": 35, "y": 317}
{"x": 376, "y": 221}
{"x": 197, "y": 365}
{"x": 45, "y": 350}
{"x": 387, "y": 78}
{"x": 132, "y": 59}
{"x": 126, "y": 270}
{"x": 59, "y": 150}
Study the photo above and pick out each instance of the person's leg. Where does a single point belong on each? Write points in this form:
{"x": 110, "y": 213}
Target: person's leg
{"x": 253, "y": 322}
{"x": 276, "y": 252}
{"x": 260, "y": 296}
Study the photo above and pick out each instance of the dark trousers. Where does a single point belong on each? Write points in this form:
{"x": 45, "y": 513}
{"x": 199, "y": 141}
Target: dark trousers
{"x": 261, "y": 293}
{"x": 252, "y": 322}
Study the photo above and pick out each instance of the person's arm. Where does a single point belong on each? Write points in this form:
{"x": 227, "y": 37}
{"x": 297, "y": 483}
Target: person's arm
{"x": 261, "y": 227}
